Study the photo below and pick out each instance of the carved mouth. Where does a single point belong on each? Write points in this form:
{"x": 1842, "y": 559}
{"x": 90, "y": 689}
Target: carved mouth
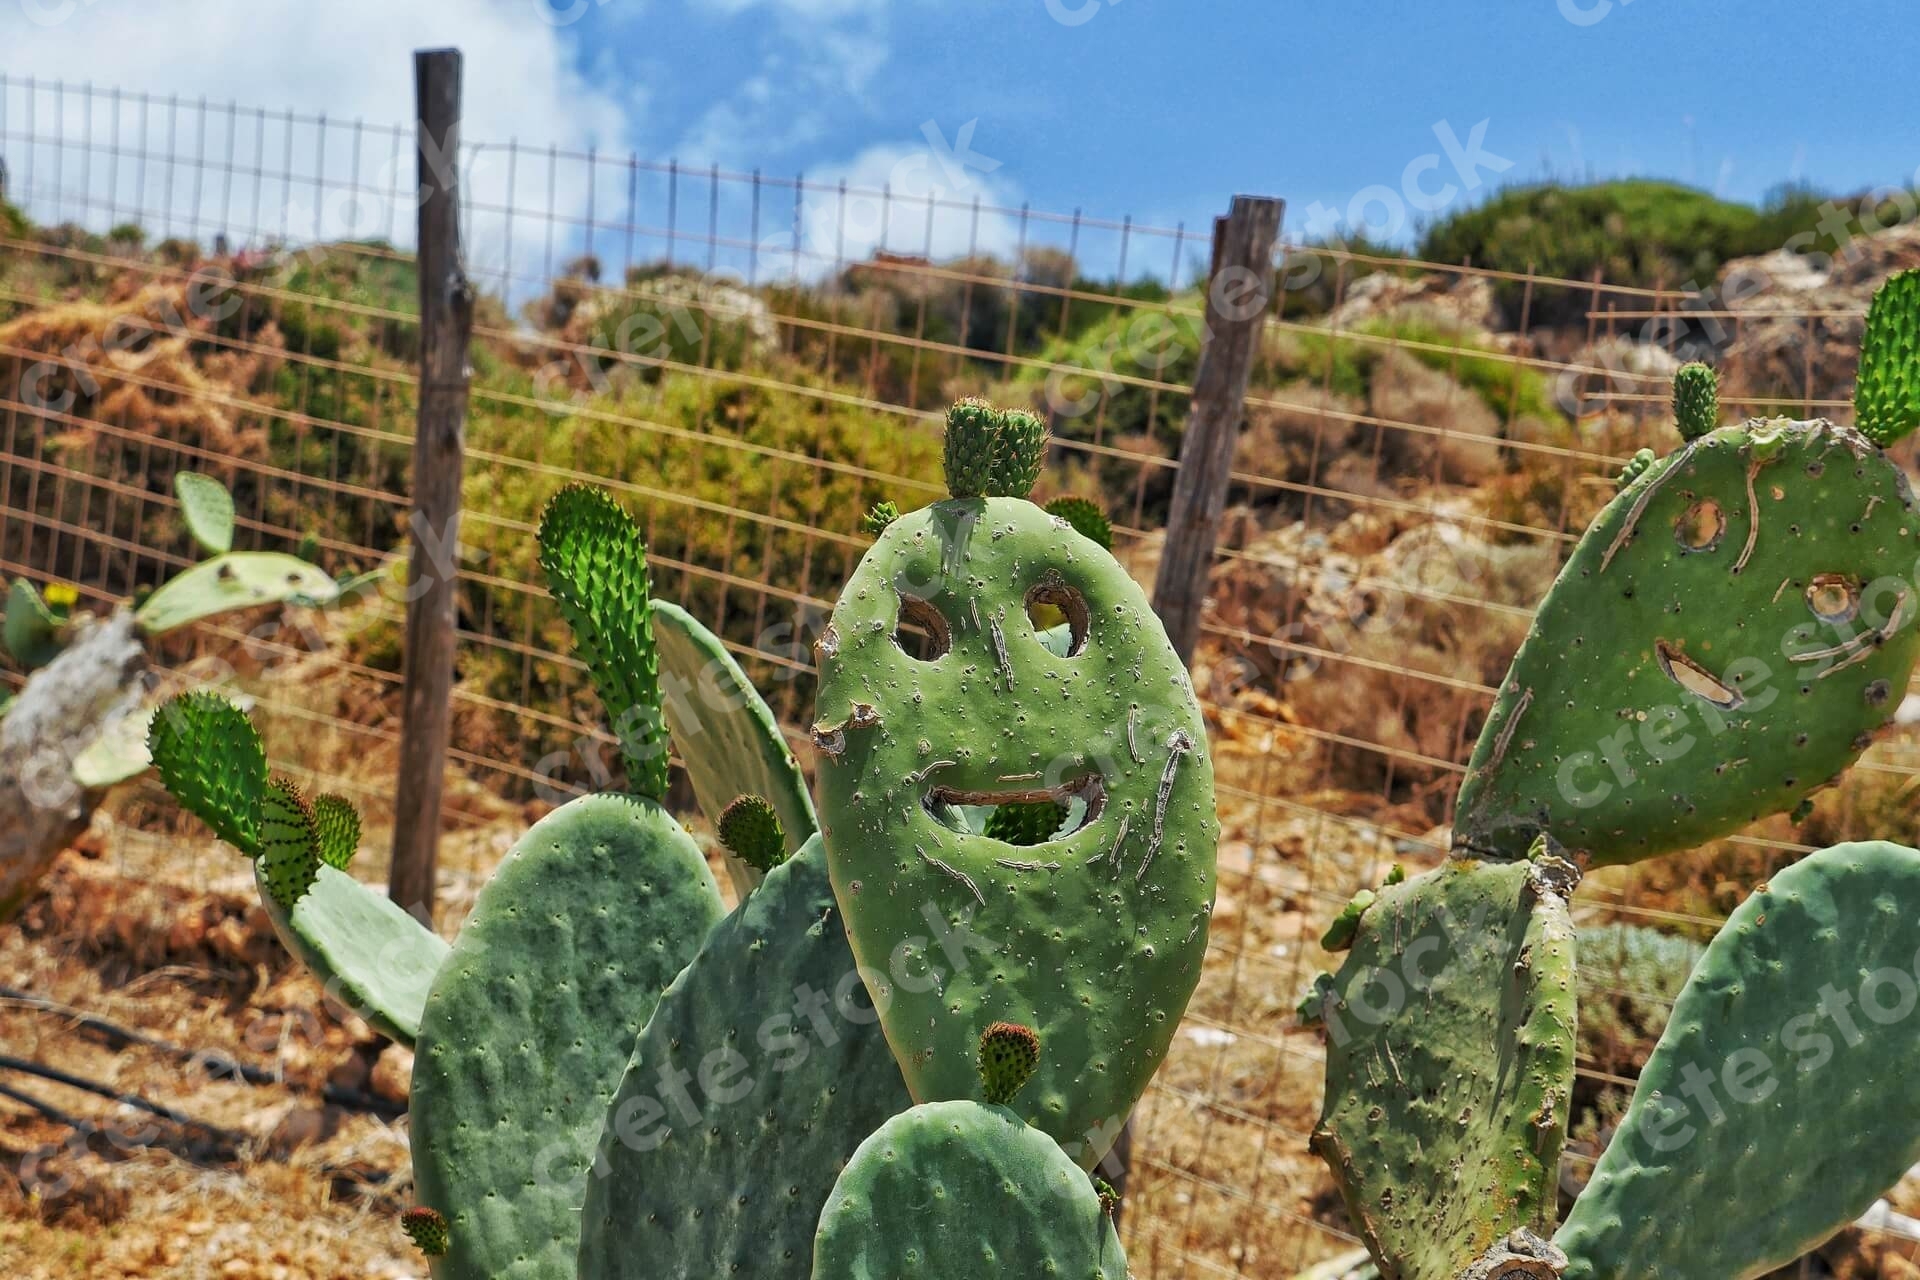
{"x": 968, "y": 810}
{"x": 1694, "y": 678}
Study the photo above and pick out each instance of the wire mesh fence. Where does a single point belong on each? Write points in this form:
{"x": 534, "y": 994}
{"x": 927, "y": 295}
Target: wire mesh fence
{"x": 749, "y": 361}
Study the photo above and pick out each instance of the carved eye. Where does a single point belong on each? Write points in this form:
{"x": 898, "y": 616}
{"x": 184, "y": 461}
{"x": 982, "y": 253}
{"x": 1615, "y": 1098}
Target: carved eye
{"x": 1059, "y": 614}
{"x": 1833, "y": 597}
{"x": 1700, "y": 526}
{"x": 922, "y": 631}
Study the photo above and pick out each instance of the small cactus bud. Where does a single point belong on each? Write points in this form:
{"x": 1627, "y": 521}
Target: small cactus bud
{"x": 427, "y": 1228}
{"x": 751, "y": 831}
{"x": 1086, "y": 517}
{"x": 1696, "y": 400}
{"x": 1109, "y": 1198}
{"x": 973, "y": 426}
{"x": 878, "y": 517}
{"x": 1020, "y": 447}
{"x": 1340, "y": 934}
{"x": 1009, "y": 1053}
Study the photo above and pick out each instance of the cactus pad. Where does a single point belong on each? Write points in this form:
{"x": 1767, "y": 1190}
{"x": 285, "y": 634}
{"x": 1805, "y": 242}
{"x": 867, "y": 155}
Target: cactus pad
{"x": 956, "y": 1191}
{"x": 725, "y": 733}
{"x": 207, "y": 508}
{"x": 1097, "y": 935}
{"x": 596, "y": 566}
{"x": 209, "y": 757}
{"x": 31, "y": 632}
{"x": 237, "y": 580}
{"x": 1725, "y": 639}
{"x": 728, "y": 1177}
{"x": 1450, "y": 1055}
{"x": 1886, "y": 392}
{"x": 1019, "y": 451}
{"x": 1766, "y": 1107}
{"x": 531, "y": 1019}
{"x": 369, "y": 954}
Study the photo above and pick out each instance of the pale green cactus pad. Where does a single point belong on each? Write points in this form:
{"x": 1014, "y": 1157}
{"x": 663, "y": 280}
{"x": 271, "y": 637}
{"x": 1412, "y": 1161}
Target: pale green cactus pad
{"x": 368, "y": 953}
{"x": 725, "y": 733}
{"x": 207, "y": 508}
{"x": 238, "y": 580}
{"x": 1450, "y": 1057}
{"x": 532, "y": 1019}
{"x": 731, "y": 1183}
{"x": 117, "y": 754}
{"x": 1727, "y": 637}
{"x": 1772, "y": 1112}
{"x": 31, "y": 632}
{"x": 1094, "y": 938}
{"x": 960, "y": 1190}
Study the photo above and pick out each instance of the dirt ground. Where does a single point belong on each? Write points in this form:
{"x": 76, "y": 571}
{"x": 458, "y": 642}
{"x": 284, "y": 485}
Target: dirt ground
{"x": 149, "y": 928}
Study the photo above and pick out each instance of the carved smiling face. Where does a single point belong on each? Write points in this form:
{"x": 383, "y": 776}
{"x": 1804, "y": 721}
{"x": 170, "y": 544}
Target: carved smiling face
{"x": 939, "y": 696}
{"x": 1724, "y": 641}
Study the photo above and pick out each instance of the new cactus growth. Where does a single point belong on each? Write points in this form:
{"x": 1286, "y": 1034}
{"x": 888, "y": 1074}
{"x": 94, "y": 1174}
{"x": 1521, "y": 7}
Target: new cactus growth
{"x": 957, "y": 1189}
{"x": 1696, "y": 400}
{"x": 1087, "y": 519}
{"x": 1886, "y": 390}
{"x": 750, "y": 830}
{"x": 370, "y": 954}
{"x": 1450, "y": 1047}
{"x": 427, "y": 1228}
{"x": 1094, "y": 937}
{"x": 878, "y": 517}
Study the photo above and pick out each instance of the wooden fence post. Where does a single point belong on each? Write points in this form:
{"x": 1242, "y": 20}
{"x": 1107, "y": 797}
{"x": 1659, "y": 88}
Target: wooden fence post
{"x": 446, "y": 321}
{"x": 1240, "y": 288}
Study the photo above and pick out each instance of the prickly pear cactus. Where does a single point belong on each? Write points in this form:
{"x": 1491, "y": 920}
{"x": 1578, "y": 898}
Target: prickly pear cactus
{"x": 722, "y": 1169}
{"x": 1450, "y": 1057}
{"x": 237, "y": 580}
{"x": 1727, "y": 637}
{"x": 597, "y": 908}
{"x": 368, "y": 953}
{"x": 1767, "y": 1116}
{"x": 961, "y": 1189}
{"x": 726, "y": 734}
{"x": 1094, "y": 937}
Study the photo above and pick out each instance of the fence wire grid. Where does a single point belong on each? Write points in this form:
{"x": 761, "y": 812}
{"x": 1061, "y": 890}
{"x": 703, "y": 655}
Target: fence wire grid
{"x": 749, "y": 361}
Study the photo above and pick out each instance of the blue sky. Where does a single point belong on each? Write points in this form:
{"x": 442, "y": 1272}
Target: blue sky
{"x": 1158, "y": 110}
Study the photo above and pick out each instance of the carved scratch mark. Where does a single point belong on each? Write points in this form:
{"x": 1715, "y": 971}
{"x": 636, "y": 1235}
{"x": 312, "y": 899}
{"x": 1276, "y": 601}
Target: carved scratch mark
{"x": 1014, "y": 865}
{"x": 1508, "y": 729}
{"x": 921, "y": 775}
{"x": 955, "y": 872}
{"x": 1179, "y": 743}
{"x": 1113, "y": 856}
{"x": 1753, "y": 517}
{"x": 1133, "y": 747}
{"x": 1640, "y": 503}
{"x": 1860, "y": 647}
{"x": 1000, "y": 649}
{"x": 1782, "y": 590}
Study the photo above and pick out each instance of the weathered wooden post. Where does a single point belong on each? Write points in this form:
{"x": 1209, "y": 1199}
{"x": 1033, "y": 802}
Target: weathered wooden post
{"x": 446, "y": 321}
{"x": 1240, "y": 287}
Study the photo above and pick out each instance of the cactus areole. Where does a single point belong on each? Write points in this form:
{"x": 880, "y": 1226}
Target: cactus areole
{"x": 937, "y": 698}
{"x": 1727, "y": 637}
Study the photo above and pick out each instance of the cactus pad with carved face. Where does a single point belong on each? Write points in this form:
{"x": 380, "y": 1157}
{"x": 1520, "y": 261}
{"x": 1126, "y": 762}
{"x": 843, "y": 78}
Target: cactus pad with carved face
{"x": 937, "y": 695}
{"x": 1725, "y": 639}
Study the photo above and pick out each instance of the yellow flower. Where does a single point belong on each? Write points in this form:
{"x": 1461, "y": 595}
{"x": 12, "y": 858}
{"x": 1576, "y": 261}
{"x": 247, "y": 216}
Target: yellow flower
{"x": 63, "y": 595}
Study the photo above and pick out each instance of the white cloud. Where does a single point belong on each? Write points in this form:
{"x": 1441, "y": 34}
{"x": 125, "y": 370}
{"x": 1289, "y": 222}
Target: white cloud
{"x": 348, "y": 59}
